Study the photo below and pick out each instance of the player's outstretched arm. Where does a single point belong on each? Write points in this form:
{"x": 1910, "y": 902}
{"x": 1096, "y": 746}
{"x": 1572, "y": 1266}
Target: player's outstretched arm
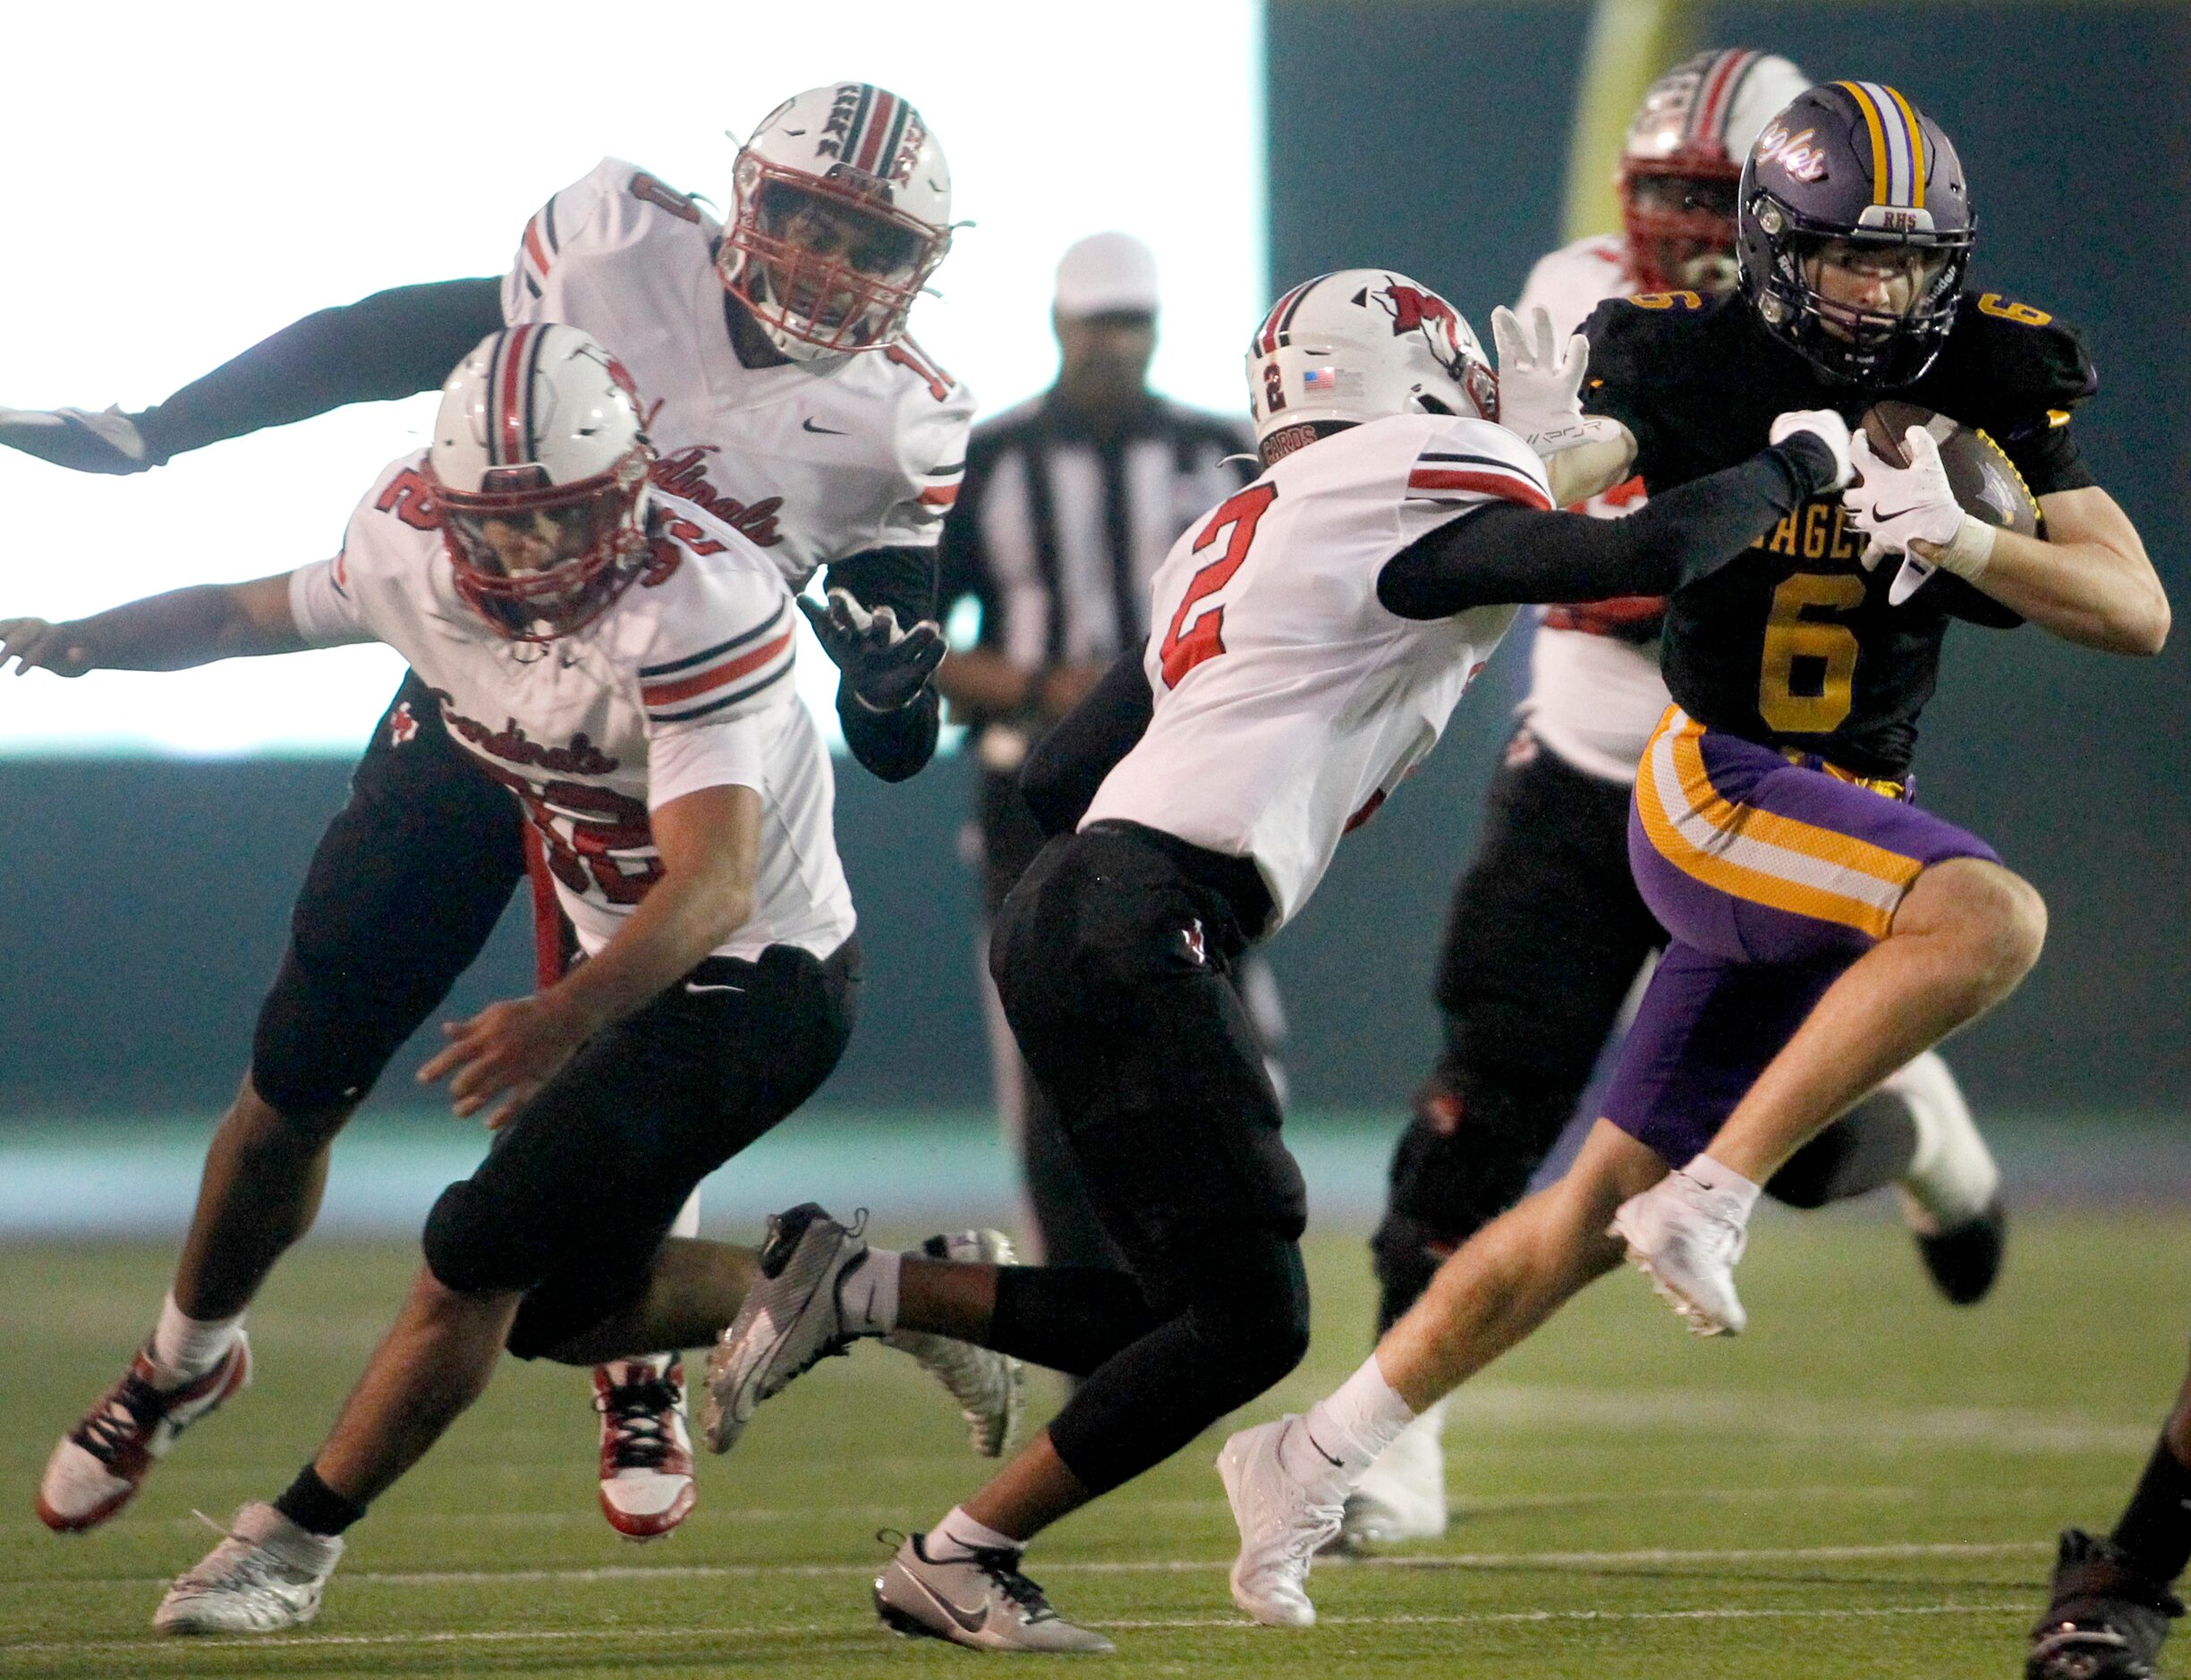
{"x": 1061, "y": 775}
{"x": 709, "y": 842}
{"x": 2088, "y": 580}
{"x": 1540, "y": 398}
{"x": 1505, "y": 553}
{"x": 884, "y": 640}
{"x": 392, "y": 344}
{"x": 162, "y": 632}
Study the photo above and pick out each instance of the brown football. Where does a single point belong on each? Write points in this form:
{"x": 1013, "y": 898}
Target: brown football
{"x": 1985, "y": 481}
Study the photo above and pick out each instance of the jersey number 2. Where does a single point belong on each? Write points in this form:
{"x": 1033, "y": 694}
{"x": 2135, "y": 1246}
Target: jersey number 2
{"x": 1186, "y": 646}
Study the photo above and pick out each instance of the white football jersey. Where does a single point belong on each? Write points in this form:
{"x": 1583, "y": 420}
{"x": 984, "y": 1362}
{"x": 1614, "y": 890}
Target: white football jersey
{"x": 683, "y": 683}
{"x": 812, "y": 461}
{"x": 1289, "y": 701}
{"x": 1593, "y": 697}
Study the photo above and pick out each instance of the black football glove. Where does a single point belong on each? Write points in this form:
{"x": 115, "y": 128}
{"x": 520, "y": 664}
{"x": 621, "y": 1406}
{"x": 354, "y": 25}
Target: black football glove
{"x": 75, "y": 438}
{"x": 887, "y": 666}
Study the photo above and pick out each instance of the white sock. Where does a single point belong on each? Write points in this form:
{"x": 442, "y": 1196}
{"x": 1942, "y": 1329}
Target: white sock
{"x": 1345, "y": 1431}
{"x": 1725, "y": 1182}
{"x": 867, "y": 1294}
{"x": 958, "y": 1535}
{"x": 188, "y": 1348}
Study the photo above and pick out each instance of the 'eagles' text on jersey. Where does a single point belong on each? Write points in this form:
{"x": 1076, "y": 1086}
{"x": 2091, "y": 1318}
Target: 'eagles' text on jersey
{"x": 1288, "y": 700}
{"x": 683, "y": 683}
{"x": 1794, "y": 644}
{"x": 812, "y": 461}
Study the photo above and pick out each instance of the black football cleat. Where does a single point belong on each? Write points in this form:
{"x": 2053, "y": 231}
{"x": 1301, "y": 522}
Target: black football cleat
{"x": 1965, "y": 1259}
{"x": 2105, "y": 1621}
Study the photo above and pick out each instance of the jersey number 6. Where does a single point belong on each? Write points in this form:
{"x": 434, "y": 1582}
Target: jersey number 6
{"x": 1827, "y": 650}
{"x": 1186, "y": 646}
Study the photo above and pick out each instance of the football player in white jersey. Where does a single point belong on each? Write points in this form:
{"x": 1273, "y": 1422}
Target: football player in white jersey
{"x": 1547, "y": 931}
{"x": 619, "y": 661}
{"x": 1310, "y": 637}
{"x": 789, "y": 403}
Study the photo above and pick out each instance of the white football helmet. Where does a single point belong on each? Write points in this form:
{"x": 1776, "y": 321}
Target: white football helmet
{"x": 840, "y": 210}
{"x": 1682, "y": 159}
{"x": 1357, "y": 345}
{"x": 540, "y": 464}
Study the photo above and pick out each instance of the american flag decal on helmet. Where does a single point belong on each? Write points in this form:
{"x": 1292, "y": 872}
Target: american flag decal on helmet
{"x": 1897, "y": 144}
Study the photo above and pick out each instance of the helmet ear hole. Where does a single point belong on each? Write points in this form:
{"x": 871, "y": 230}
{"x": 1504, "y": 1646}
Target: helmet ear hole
{"x": 1431, "y": 405}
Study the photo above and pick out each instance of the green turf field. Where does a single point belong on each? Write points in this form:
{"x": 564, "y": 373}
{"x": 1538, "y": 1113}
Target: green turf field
{"x": 1864, "y": 1485}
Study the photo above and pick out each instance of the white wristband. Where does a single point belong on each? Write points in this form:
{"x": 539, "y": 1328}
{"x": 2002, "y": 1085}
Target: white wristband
{"x": 1970, "y": 549}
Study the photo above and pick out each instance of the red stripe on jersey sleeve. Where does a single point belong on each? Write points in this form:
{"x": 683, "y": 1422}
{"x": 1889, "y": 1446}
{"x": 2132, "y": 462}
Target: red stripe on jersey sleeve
{"x": 1516, "y": 488}
{"x": 684, "y": 688}
{"x": 534, "y": 249}
{"x": 940, "y": 496}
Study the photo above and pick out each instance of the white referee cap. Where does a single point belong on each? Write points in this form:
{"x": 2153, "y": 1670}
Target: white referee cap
{"x": 1107, "y": 274}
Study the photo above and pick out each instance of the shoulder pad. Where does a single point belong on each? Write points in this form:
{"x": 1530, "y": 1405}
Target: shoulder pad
{"x": 2024, "y": 354}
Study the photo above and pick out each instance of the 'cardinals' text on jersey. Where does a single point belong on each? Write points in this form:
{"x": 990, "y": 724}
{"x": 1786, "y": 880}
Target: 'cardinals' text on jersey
{"x": 1794, "y": 644}
{"x": 1596, "y": 693}
{"x": 1288, "y": 700}
{"x": 683, "y": 684}
{"x": 812, "y": 461}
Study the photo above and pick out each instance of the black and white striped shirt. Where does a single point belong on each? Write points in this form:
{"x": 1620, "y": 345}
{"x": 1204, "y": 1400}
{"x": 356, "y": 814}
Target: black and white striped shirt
{"x": 1057, "y": 530}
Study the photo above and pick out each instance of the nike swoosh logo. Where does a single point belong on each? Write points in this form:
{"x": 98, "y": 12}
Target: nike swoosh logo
{"x": 807, "y": 425}
{"x": 1335, "y": 1463}
{"x": 1880, "y": 516}
{"x": 695, "y": 988}
{"x": 970, "y": 1623}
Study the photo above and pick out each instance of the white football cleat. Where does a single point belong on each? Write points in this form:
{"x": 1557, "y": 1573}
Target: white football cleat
{"x": 1283, "y": 1525}
{"x": 979, "y": 1600}
{"x": 1685, "y": 1237}
{"x": 1951, "y": 1194}
{"x": 1402, "y": 1494}
{"x": 97, "y": 1467}
{"x": 267, "y": 1574}
{"x": 790, "y": 1319}
{"x": 989, "y": 1387}
{"x": 646, "y": 1454}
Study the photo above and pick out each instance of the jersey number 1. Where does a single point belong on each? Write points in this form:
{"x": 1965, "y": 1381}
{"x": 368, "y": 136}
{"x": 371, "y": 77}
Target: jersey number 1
{"x": 1186, "y": 646}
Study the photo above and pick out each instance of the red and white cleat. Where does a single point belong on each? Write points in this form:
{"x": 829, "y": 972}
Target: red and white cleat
{"x": 100, "y": 1463}
{"x": 645, "y": 1453}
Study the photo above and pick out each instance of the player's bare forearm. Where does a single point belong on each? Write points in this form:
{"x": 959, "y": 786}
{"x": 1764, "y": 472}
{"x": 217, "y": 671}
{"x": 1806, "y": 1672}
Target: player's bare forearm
{"x": 173, "y": 631}
{"x": 711, "y": 847}
{"x": 2089, "y": 581}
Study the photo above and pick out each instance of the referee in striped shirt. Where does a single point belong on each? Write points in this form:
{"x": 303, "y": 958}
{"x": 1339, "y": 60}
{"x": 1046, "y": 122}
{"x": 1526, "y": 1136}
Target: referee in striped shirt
{"x": 1070, "y": 503}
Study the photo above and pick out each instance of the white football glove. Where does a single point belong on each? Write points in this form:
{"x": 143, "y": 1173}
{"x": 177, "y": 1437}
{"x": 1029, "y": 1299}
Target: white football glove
{"x": 1823, "y": 424}
{"x": 1540, "y": 380}
{"x": 76, "y": 438}
{"x": 1894, "y": 506}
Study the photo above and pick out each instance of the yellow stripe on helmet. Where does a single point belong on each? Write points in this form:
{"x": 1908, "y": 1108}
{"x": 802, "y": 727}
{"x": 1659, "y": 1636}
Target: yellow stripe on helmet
{"x": 1880, "y": 169}
{"x": 1916, "y": 148}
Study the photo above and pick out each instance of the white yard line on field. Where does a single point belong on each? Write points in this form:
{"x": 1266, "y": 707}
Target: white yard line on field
{"x": 1645, "y": 1557}
{"x": 199, "y": 1650}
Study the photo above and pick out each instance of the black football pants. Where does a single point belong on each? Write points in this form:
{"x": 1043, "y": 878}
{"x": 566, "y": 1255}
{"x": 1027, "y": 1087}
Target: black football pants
{"x": 1112, "y": 956}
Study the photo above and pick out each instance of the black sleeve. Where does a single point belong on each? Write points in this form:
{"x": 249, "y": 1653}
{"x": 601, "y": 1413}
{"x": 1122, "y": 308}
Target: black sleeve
{"x": 894, "y": 745}
{"x": 391, "y": 344}
{"x": 1506, "y": 553}
{"x": 1061, "y": 774}
{"x": 1624, "y": 369}
{"x": 2029, "y": 374}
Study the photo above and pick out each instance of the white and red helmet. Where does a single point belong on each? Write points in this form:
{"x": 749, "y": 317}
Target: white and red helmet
{"x": 540, "y": 463}
{"x": 1683, "y": 157}
{"x": 840, "y": 210}
{"x": 1357, "y": 345}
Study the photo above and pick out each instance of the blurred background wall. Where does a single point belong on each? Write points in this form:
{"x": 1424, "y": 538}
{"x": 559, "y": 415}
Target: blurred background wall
{"x": 142, "y": 903}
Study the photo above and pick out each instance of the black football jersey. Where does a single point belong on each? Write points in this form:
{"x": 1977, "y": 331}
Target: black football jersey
{"x": 1794, "y": 644}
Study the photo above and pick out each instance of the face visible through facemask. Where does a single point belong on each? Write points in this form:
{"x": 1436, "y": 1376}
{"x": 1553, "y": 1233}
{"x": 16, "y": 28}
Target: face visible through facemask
{"x": 816, "y": 247}
{"x": 1859, "y": 287}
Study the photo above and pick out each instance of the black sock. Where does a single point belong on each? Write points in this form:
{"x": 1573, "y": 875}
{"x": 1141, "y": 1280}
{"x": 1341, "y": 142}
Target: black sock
{"x": 316, "y": 1508}
{"x": 2155, "y": 1533}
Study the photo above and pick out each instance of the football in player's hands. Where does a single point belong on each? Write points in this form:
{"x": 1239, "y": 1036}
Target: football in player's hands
{"x": 1984, "y": 480}
{"x": 887, "y": 666}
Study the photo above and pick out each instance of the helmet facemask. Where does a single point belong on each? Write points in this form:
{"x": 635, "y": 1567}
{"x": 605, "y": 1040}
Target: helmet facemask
{"x": 1852, "y": 345}
{"x": 537, "y": 560}
{"x": 1679, "y": 218}
{"x": 823, "y": 263}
